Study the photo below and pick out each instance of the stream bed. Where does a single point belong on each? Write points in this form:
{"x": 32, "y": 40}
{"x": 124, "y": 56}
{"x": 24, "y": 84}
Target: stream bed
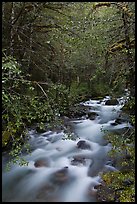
{"x": 66, "y": 170}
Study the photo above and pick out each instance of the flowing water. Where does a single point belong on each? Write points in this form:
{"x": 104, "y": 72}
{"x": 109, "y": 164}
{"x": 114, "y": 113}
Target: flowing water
{"x": 65, "y": 170}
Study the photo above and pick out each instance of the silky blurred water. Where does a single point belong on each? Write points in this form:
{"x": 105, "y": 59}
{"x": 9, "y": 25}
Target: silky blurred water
{"x": 69, "y": 173}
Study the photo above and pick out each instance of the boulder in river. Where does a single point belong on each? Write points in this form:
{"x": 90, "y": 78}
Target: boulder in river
{"x": 92, "y": 115}
{"x": 112, "y": 102}
{"x": 78, "y": 160}
{"x": 82, "y": 144}
{"x": 120, "y": 120}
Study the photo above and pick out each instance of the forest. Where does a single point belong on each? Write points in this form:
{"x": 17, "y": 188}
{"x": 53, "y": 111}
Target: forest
{"x": 58, "y": 54}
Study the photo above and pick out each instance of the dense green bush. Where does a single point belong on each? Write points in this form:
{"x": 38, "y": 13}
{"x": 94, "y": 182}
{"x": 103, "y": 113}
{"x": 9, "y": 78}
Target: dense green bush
{"x": 23, "y": 106}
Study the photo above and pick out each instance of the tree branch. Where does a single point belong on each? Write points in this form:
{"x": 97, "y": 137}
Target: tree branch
{"x": 19, "y": 14}
{"x": 41, "y": 89}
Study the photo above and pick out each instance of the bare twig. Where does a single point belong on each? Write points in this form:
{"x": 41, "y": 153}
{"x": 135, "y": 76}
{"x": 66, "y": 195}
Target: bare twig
{"x": 41, "y": 89}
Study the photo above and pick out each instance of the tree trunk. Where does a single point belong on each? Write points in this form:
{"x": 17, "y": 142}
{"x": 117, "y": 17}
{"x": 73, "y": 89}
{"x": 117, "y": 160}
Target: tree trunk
{"x": 130, "y": 60}
{"x": 12, "y": 31}
{"x": 30, "y": 48}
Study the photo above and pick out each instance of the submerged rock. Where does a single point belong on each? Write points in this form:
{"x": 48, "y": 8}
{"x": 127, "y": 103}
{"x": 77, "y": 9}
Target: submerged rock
{"x": 60, "y": 176}
{"x": 44, "y": 162}
{"x": 46, "y": 193}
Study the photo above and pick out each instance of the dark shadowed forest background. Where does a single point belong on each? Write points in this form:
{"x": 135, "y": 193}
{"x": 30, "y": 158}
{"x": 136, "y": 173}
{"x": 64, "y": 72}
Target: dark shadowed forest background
{"x": 57, "y": 54}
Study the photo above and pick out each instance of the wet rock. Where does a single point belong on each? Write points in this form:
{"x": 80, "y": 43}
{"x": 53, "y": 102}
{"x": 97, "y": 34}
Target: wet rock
{"x": 120, "y": 121}
{"x": 92, "y": 115}
{"x": 60, "y": 176}
{"x": 112, "y": 102}
{"x": 46, "y": 193}
{"x": 78, "y": 161}
{"x": 42, "y": 163}
{"x": 82, "y": 144}
{"x": 114, "y": 123}
{"x": 123, "y": 118}
{"x": 78, "y": 111}
{"x": 110, "y": 162}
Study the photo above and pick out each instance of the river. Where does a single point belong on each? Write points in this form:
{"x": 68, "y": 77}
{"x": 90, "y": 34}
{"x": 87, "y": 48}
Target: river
{"x": 65, "y": 170}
